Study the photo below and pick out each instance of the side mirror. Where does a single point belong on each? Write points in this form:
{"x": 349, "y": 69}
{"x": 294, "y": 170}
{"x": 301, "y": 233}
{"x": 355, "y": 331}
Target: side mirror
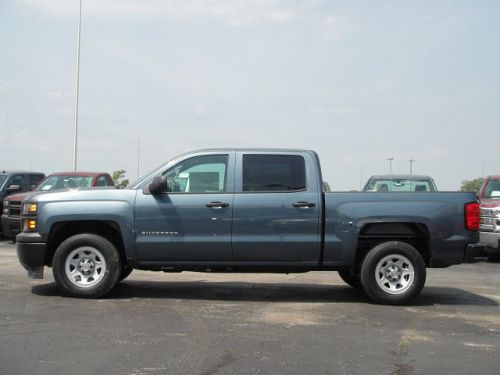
{"x": 158, "y": 185}
{"x": 13, "y": 188}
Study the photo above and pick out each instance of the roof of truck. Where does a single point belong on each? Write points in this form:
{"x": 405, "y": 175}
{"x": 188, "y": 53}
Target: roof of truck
{"x": 3, "y": 171}
{"x": 400, "y": 177}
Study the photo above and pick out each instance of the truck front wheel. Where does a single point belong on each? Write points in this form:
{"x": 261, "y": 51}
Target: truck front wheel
{"x": 393, "y": 273}
{"x": 86, "y": 265}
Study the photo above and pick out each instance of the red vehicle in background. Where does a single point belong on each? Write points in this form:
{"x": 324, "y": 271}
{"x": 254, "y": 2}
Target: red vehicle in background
{"x": 489, "y": 235}
{"x": 11, "y": 218}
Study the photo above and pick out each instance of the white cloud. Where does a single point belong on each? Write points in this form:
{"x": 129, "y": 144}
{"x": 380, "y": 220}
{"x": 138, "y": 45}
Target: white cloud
{"x": 54, "y": 94}
{"x": 231, "y": 12}
{"x": 335, "y": 27}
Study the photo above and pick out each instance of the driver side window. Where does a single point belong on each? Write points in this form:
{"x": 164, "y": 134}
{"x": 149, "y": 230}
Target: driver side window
{"x": 199, "y": 174}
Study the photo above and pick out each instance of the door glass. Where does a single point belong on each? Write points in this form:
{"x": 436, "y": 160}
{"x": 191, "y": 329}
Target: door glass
{"x": 274, "y": 173}
{"x": 34, "y": 180}
{"x": 200, "y": 174}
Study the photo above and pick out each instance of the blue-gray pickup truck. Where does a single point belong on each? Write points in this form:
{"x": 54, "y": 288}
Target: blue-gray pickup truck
{"x": 245, "y": 210}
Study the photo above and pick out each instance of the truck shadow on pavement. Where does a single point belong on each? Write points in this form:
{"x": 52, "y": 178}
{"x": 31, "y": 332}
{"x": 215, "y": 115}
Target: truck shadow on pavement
{"x": 270, "y": 292}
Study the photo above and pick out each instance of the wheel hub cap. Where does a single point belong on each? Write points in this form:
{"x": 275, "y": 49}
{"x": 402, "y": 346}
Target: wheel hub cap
{"x": 86, "y": 266}
{"x": 394, "y": 274}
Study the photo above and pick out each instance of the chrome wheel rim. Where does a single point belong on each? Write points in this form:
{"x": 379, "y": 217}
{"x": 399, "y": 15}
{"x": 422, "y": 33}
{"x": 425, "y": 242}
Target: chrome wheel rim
{"x": 85, "y": 267}
{"x": 394, "y": 274}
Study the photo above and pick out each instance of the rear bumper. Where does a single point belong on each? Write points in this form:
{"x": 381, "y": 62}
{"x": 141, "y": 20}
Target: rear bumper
{"x": 31, "y": 253}
{"x": 10, "y": 226}
{"x": 490, "y": 240}
{"x": 474, "y": 253}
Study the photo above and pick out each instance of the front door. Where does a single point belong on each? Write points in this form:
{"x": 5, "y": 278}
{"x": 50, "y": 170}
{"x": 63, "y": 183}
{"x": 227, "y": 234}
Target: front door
{"x": 191, "y": 221}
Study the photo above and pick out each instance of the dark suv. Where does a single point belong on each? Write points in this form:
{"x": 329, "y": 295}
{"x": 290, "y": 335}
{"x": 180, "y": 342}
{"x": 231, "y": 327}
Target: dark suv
{"x": 17, "y": 182}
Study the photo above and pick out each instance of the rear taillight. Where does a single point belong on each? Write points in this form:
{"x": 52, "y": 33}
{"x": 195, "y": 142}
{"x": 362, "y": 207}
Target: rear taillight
{"x": 472, "y": 219}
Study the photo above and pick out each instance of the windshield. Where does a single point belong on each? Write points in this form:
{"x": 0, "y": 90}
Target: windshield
{"x": 492, "y": 190}
{"x": 65, "y": 182}
{"x": 3, "y": 177}
{"x": 396, "y": 185}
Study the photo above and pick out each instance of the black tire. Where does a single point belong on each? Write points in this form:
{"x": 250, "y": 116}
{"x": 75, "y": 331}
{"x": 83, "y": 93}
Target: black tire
{"x": 392, "y": 288}
{"x": 125, "y": 271}
{"x": 494, "y": 258}
{"x": 81, "y": 251}
{"x": 350, "y": 279}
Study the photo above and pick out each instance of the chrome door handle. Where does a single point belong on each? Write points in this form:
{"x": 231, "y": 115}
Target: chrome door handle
{"x": 217, "y": 205}
{"x": 303, "y": 204}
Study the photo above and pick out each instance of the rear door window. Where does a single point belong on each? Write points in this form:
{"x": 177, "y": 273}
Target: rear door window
{"x": 262, "y": 173}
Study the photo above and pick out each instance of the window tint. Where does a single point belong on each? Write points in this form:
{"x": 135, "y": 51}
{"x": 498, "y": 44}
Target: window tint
{"x": 17, "y": 180}
{"x": 34, "y": 180}
{"x": 493, "y": 189}
{"x": 273, "y": 173}
{"x": 200, "y": 174}
{"x": 101, "y": 181}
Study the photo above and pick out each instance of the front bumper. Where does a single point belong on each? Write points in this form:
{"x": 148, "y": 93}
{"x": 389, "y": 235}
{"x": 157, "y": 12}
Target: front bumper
{"x": 11, "y": 226}
{"x": 31, "y": 253}
{"x": 490, "y": 240}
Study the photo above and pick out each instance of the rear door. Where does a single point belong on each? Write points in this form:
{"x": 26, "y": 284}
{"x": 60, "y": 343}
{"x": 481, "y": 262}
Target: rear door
{"x": 276, "y": 215}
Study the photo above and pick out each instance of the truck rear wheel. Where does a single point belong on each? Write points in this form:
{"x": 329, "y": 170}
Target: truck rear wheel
{"x": 393, "y": 273}
{"x": 86, "y": 265}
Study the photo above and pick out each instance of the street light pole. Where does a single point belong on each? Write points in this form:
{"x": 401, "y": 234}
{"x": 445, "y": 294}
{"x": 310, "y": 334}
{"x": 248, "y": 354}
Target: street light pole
{"x": 390, "y": 164}
{"x": 411, "y": 161}
{"x": 75, "y": 138}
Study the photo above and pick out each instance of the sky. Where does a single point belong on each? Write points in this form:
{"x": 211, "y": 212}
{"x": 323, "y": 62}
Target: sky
{"x": 358, "y": 82}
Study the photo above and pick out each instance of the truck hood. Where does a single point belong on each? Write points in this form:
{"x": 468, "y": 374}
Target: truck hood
{"x": 85, "y": 194}
{"x": 19, "y": 197}
{"x": 490, "y": 203}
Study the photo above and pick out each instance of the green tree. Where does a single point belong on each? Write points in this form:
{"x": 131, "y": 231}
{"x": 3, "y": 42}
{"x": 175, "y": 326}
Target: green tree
{"x": 326, "y": 186}
{"x": 119, "y": 178}
{"x": 472, "y": 185}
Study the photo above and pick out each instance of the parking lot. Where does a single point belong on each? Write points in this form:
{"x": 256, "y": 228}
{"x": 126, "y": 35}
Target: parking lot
{"x": 196, "y": 323}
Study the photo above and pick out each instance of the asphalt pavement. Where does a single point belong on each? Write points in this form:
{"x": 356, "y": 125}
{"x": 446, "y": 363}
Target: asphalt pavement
{"x": 198, "y": 323}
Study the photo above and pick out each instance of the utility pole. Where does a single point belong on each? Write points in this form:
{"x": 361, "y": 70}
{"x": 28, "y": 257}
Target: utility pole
{"x": 390, "y": 164}
{"x": 75, "y": 138}
{"x": 138, "y": 158}
{"x": 411, "y": 161}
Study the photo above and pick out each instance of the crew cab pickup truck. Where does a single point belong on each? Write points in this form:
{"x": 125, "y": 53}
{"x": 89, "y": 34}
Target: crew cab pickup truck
{"x": 11, "y": 217}
{"x": 489, "y": 197}
{"x": 245, "y": 210}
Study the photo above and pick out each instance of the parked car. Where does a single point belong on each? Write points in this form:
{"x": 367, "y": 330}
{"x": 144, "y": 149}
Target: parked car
{"x": 12, "y": 182}
{"x": 489, "y": 196}
{"x": 11, "y": 218}
{"x": 400, "y": 183}
{"x": 245, "y": 210}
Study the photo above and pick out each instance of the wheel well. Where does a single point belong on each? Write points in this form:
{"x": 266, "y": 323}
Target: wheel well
{"x": 63, "y": 230}
{"x": 414, "y": 234}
